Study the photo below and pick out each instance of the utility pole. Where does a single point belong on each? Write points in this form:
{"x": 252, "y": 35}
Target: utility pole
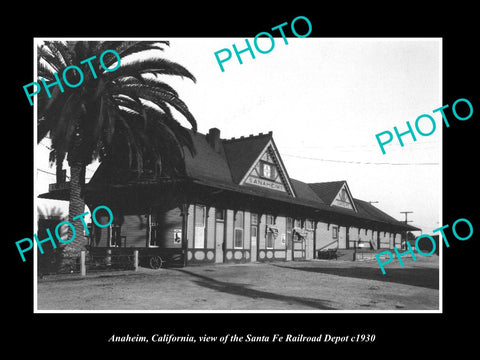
{"x": 406, "y": 222}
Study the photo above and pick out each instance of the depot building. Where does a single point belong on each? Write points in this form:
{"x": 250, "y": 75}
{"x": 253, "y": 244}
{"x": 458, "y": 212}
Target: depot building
{"x": 237, "y": 203}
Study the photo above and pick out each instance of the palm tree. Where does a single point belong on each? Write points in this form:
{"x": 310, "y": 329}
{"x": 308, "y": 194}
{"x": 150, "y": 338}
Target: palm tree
{"x": 124, "y": 114}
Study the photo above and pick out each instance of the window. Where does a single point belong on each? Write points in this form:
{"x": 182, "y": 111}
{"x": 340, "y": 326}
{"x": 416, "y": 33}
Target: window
{"x": 253, "y": 229}
{"x": 289, "y": 232}
{"x": 154, "y": 233}
{"x": 298, "y": 223}
{"x": 289, "y": 223}
{"x": 267, "y": 170}
{"x": 334, "y": 232}
{"x": 199, "y": 239}
{"x": 309, "y": 224}
{"x": 238, "y": 227}
{"x": 270, "y": 220}
{"x": 116, "y": 237}
{"x": 219, "y": 215}
{"x": 270, "y": 238}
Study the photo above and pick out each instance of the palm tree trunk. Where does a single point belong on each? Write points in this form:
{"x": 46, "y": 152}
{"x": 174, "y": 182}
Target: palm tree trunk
{"x": 71, "y": 251}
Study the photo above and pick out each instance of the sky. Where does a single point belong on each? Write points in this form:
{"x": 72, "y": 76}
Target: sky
{"x": 324, "y": 99}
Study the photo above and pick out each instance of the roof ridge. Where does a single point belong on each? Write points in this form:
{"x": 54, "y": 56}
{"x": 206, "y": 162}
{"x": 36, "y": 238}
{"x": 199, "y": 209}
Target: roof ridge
{"x": 249, "y": 137}
{"x": 327, "y": 182}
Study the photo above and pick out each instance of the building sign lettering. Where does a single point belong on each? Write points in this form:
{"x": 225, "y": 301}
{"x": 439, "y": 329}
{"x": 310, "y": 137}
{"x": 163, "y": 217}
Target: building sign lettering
{"x": 265, "y": 183}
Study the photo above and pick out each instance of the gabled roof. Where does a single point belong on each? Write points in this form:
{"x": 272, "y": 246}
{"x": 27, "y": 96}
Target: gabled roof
{"x": 207, "y": 163}
{"x": 327, "y": 190}
{"x": 242, "y": 152}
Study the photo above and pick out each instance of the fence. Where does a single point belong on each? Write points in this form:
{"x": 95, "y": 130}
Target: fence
{"x": 107, "y": 261}
{"x": 90, "y": 262}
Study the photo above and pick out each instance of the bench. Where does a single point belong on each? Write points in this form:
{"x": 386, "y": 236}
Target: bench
{"x": 327, "y": 254}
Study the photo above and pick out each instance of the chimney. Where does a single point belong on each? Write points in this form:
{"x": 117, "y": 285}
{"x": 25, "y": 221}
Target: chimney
{"x": 213, "y": 138}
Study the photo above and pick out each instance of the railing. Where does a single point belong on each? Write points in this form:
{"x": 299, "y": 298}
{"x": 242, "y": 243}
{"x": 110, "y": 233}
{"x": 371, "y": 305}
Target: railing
{"x": 323, "y": 247}
{"x": 363, "y": 253}
{"x": 329, "y": 253}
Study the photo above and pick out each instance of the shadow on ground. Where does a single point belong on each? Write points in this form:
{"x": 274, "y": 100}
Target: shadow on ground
{"x": 423, "y": 277}
{"x": 243, "y": 290}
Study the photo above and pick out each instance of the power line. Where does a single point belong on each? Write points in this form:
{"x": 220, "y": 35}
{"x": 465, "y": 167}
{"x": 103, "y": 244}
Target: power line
{"x": 359, "y": 162}
{"x": 50, "y": 173}
{"x": 351, "y": 146}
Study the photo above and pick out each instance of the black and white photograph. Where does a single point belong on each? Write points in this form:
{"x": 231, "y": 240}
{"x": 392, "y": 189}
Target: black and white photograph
{"x": 184, "y": 180}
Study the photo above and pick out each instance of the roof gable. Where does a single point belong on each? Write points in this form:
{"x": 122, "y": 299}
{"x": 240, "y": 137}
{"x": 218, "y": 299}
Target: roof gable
{"x": 268, "y": 171}
{"x": 242, "y": 152}
{"x": 255, "y": 161}
{"x": 335, "y": 193}
{"x": 344, "y": 198}
{"x": 327, "y": 190}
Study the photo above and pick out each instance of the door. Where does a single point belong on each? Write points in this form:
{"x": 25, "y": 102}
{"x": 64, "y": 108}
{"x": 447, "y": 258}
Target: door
{"x": 347, "y": 237}
{"x": 289, "y": 243}
{"x": 199, "y": 235}
{"x": 253, "y": 236}
{"x": 152, "y": 233}
{"x": 219, "y": 235}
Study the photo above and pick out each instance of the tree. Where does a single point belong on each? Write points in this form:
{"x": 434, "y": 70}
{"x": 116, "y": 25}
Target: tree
{"x": 123, "y": 114}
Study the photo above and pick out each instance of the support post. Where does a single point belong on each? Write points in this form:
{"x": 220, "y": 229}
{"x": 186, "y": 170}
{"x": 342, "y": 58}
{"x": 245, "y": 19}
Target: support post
{"x": 135, "y": 260}
{"x": 184, "y": 210}
{"x": 83, "y": 269}
{"x": 108, "y": 257}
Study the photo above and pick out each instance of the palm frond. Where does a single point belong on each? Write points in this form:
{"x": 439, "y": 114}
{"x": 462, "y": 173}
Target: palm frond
{"x": 155, "y": 66}
{"x": 45, "y": 71}
{"x": 146, "y": 82}
{"x": 124, "y": 114}
{"x": 157, "y": 96}
{"x": 45, "y": 53}
{"x": 59, "y": 52}
{"x": 134, "y": 47}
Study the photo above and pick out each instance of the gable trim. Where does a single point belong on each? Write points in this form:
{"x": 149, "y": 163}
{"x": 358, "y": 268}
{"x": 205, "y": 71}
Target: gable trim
{"x": 280, "y": 165}
{"x": 345, "y": 185}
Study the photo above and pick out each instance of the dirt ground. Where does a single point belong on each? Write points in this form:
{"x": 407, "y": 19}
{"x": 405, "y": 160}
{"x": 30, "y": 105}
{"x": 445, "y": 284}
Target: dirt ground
{"x": 306, "y": 285}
